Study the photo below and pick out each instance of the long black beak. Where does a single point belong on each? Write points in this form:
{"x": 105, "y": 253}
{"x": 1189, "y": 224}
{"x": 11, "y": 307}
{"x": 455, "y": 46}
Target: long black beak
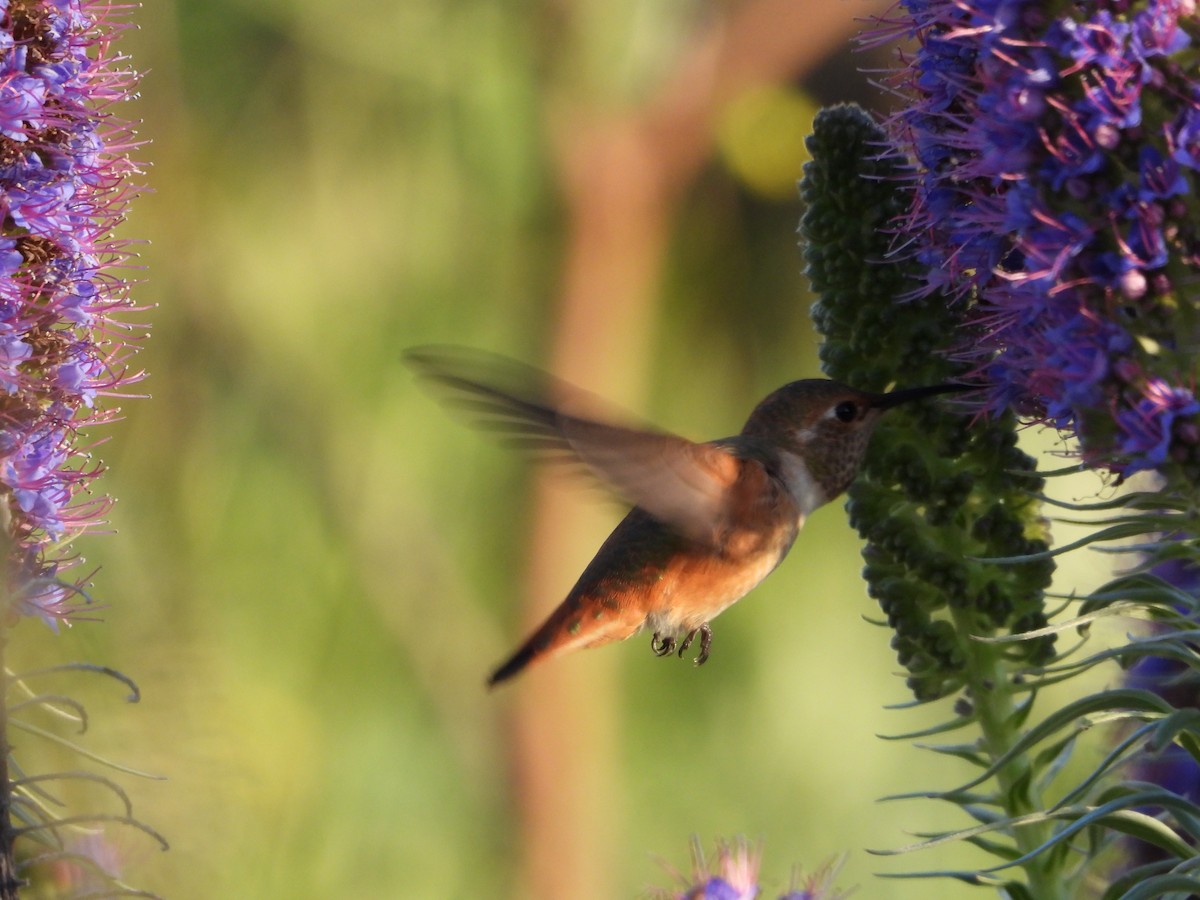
{"x": 895, "y": 398}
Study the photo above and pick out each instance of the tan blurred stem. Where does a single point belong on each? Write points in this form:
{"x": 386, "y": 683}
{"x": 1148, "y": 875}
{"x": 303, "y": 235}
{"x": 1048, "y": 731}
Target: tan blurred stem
{"x": 10, "y": 884}
{"x": 622, "y": 175}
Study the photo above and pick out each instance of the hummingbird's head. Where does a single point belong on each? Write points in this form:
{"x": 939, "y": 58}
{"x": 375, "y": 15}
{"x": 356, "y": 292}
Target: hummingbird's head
{"x": 828, "y": 425}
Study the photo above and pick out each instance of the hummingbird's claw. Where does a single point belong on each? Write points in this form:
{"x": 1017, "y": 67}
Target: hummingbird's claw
{"x": 662, "y": 646}
{"x": 705, "y": 643}
{"x": 687, "y": 642}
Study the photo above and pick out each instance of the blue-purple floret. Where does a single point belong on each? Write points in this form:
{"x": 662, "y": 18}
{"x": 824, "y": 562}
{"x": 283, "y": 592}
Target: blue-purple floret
{"x": 1058, "y": 150}
{"x": 64, "y": 173}
{"x": 720, "y": 889}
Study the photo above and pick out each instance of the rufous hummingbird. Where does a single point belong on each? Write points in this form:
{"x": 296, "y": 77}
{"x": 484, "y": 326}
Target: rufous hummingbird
{"x": 710, "y": 520}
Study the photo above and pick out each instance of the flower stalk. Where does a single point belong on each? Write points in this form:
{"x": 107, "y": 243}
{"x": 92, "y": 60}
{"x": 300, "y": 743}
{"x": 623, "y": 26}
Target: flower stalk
{"x": 939, "y": 495}
{"x": 10, "y": 882}
{"x": 66, "y": 343}
{"x": 987, "y": 680}
{"x": 1027, "y": 222}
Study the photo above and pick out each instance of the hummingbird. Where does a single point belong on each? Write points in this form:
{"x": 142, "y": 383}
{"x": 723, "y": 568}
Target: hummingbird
{"x": 710, "y": 520}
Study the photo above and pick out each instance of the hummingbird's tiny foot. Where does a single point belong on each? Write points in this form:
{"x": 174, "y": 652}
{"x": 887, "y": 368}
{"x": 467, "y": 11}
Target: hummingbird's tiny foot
{"x": 705, "y": 643}
{"x": 687, "y": 642}
{"x": 662, "y": 646}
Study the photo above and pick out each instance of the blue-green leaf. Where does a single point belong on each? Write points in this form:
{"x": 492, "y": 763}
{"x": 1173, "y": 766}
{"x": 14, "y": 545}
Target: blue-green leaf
{"x": 1165, "y": 886}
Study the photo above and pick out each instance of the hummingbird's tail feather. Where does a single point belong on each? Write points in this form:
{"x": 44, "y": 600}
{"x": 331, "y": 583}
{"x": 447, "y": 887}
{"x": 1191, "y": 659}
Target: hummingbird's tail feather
{"x": 577, "y": 622}
{"x": 515, "y": 664}
{"x": 540, "y": 645}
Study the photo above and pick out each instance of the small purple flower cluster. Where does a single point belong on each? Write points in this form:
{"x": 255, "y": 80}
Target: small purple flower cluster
{"x": 734, "y": 876}
{"x": 1058, "y": 151}
{"x": 64, "y": 183}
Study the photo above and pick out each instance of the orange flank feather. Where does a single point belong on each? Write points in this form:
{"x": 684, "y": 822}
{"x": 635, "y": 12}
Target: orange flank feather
{"x": 646, "y": 575}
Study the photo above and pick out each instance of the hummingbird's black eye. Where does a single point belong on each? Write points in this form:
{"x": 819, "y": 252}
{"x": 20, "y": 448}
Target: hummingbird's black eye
{"x": 846, "y": 411}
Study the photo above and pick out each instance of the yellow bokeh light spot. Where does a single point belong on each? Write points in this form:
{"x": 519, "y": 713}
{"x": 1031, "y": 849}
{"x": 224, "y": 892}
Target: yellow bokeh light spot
{"x": 760, "y": 135}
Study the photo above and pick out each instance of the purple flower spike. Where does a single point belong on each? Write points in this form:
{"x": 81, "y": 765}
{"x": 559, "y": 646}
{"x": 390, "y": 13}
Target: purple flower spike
{"x": 1057, "y": 194}
{"x": 64, "y": 170}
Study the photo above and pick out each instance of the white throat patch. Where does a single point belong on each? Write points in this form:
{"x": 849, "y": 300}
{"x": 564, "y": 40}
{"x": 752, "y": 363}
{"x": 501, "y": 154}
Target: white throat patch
{"x": 800, "y": 483}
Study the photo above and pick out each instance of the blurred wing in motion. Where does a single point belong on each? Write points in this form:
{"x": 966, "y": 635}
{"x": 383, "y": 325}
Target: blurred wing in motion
{"x": 679, "y": 482}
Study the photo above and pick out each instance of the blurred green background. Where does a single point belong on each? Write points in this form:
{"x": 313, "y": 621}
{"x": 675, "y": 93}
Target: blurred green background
{"x": 314, "y": 566}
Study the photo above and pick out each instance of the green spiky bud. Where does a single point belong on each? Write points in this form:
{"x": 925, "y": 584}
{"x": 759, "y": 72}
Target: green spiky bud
{"x": 940, "y": 494}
